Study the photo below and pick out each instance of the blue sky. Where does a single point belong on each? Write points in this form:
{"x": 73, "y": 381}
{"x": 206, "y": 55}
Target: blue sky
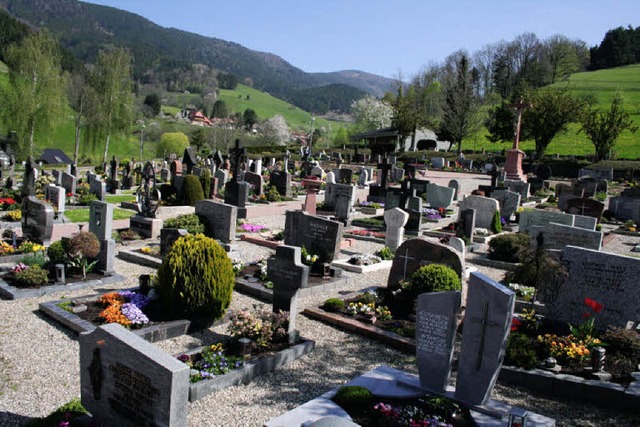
{"x": 389, "y": 38}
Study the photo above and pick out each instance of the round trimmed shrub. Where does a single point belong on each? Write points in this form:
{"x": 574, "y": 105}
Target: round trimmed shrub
{"x": 195, "y": 279}
{"x": 434, "y": 278}
{"x": 191, "y": 190}
{"x": 509, "y": 247}
{"x": 85, "y": 244}
{"x": 333, "y": 305}
{"x": 57, "y": 253}
{"x": 353, "y": 396}
{"x": 32, "y": 276}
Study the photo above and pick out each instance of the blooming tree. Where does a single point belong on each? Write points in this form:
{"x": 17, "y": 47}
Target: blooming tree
{"x": 274, "y": 131}
{"x": 370, "y": 113}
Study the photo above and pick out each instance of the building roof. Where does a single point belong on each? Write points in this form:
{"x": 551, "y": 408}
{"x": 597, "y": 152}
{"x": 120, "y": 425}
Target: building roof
{"x": 55, "y": 156}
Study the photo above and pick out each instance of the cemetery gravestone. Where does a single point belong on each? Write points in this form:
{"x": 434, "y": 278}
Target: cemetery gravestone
{"x": 437, "y": 162}
{"x": 456, "y": 186}
{"x": 485, "y": 208}
{"x": 435, "y": 335}
{"x": 509, "y": 202}
{"x": 468, "y": 217}
{"x": 415, "y": 253}
{"x": 282, "y": 181}
{"x": 288, "y": 275}
{"x": 457, "y": 244}
{"x": 148, "y": 199}
{"x": 419, "y": 185}
{"x": 189, "y": 160}
{"x": 168, "y": 236}
{"x": 610, "y": 279}
{"x": 487, "y": 322}
{"x": 319, "y": 236}
{"x": 127, "y": 381}
{"x": 532, "y": 217}
{"x": 396, "y": 174}
{"x": 414, "y": 208}
{"x": 29, "y": 179}
{"x": 439, "y": 196}
{"x": 69, "y": 182}
{"x": 344, "y": 176}
{"x": 37, "y": 220}
{"x": 222, "y": 176}
{"x": 344, "y": 195}
{"x": 165, "y": 175}
{"x": 236, "y": 193}
{"x": 518, "y": 187}
{"x": 57, "y": 198}
{"x": 219, "y": 219}
{"x": 101, "y": 224}
{"x": 363, "y": 178}
{"x": 256, "y": 182}
{"x": 585, "y": 207}
{"x": 395, "y": 219}
{"x": 114, "y": 182}
{"x": 98, "y": 188}
{"x": 557, "y": 236}
{"x": 586, "y": 222}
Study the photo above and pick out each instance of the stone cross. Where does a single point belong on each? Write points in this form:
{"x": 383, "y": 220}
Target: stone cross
{"x": 237, "y": 153}
{"x": 406, "y": 258}
{"x": 484, "y": 323}
{"x": 384, "y": 167}
{"x": 519, "y": 107}
{"x": 395, "y": 219}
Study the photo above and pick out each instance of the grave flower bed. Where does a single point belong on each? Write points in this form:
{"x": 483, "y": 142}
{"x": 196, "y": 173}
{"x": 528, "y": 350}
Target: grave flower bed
{"x": 257, "y": 343}
{"x": 366, "y": 233}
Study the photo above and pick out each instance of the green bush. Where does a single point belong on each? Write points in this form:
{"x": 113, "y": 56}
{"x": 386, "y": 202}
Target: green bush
{"x": 190, "y": 222}
{"x": 191, "y": 190}
{"x": 496, "y": 223}
{"x": 509, "y": 247}
{"x": 353, "y": 396}
{"x": 34, "y": 259}
{"x": 205, "y": 181}
{"x": 63, "y": 414}
{"x": 273, "y": 195}
{"x": 521, "y": 351}
{"x": 385, "y": 253}
{"x": 333, "y": 305}
{"x": 195, "y": 279}
{"x": 433, "y": 278}
{"x": 57, "y": 253}
{"x": 32, "y": 276}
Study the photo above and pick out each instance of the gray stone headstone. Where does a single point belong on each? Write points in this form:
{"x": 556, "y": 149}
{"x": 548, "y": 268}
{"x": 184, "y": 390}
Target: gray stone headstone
{"x": 127, "y": 381}
{"x": 288, "y": 275}
{"x": 532, "y": 217}
{"x": 98, "y": 188}
{"x": 255, "y": 181}
{"x": 395, "y": 220}
{"x": 415, "y": 253}
{"x": 487, "y": 322}
{"x": 437, "y": 162}
{"x": 610, "y": 279}
{"x": 344, "y": 195}
{"x": 414, "y": 209}
{"x": 57, "y": 198}
{"x": 69, "y": 182}
{"x": 363, "y": 178}
{"x": 282, "y": 181}
{"x": 485, "y": 209}
{"x": 165, "y": 175}
{"x": 319, "y": 236}
{"x": 435, "y": 335}
{"x": 316, "y": 171}
{"x": 439, "y": 196}
{"x": 456, "y": 186}
{"x": 219, "y": 219}
{"x": 101, "y": 219}
{"x": 168, "y": 237}
{"x": 393, "y": 199}
{"x": 509, "y": 202}
{"x": 586, "y": 222}
{"x": 223, "y": 176}
{"x": 396, "y": 174}
{"x": 557, "y": 236}
{"x": 518, "y": 187}
{"x": 468, "y": 217}
{"x": 37, "y": 220}
{"x": 585, "y": 207}
{"x": 420, "y": 186}
{"x": 457, "y": 244}
{"x": 57, "y": 175}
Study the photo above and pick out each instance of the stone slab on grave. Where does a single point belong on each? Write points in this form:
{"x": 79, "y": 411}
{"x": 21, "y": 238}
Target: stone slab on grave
{"x": 37, "y": 220}
{"x": 435, "y": 335}
{"x": 219, "y": 219}
{"x": 509, "y": 202}
{"x": 610, "y": 279}
{"x": 456, "y": 187}
{"x": 415, "y": 253}
{"x": 485, "y": 208}
{"x": 520, "y": 187}
{"x": 585, "y": 207}
{"x": 439, "y": 196}
{"x": 256, "y": 182}
{"x": 387, "y": 382}
{"x": 319, "y": 236}
{"x": 487, "y": 322}
{"x": 586, "y": 222}
{"x": 10, "y": 292}
{"x": 532, "y": 217}
{"x": 557, "y": 236}
{"x": 126, "y": 381}
{"x": 361, "y": 269}
{"x": 149, "y": 228}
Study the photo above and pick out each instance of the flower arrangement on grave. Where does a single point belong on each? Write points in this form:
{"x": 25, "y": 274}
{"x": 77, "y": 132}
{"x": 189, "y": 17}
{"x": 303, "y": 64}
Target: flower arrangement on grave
{"x": 124, "y": 308}
{"x": 210, "y": 362}
{"x": 261, "y": 326}
{"x": 431, "y": 213}
{"x": 13, "y": 216}
{"x": 367, "y": 233}
{"x": 190, "y": 222}
{"x": 307, "y": 257}
{"x": 385, "y": 253}
{"x": 6, "y": 248}
{"x": 237, "y": 266}
{"x": 630, "y": 226}
{"x": 252, "y": 228}
{"x": 148, "y": 250}
{"x": 83, "y": 247}
{"x": 364, "y": 259}
{"x": 8, "y": 204}
{"x": 29, "y": 275}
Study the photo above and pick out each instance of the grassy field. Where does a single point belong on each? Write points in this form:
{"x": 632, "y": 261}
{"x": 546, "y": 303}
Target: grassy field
{"x": 82, "y": 215}
{"x": 601, "y": 86}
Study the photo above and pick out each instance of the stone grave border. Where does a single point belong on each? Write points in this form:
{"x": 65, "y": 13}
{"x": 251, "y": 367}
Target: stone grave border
{"x": 257, "y": 290}
{"x": 10, "y": 292}
{"x": 139, "y": 258}
{"x": 344, "y": 264}
{"x": 250, "y": 371}
{"x": 155, "y": 333}
{"x": 347, "y": 235}
{"x": 261, "y": 242}
{"x": 606, "y": 394}
{"x": 323, "y": 406}
{"x": 368, "y": 210}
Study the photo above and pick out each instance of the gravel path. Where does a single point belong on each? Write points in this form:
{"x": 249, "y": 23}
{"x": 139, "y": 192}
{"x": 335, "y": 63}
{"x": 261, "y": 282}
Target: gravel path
{"x": 39, "y": 359}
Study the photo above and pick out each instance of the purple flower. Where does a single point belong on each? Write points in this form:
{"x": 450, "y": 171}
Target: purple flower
{"x": 134, "y": 314}
{"x": 135, "y": 298}
{"x": 184, "y": 358}
{"x": 503, "y": 221}
{"x": 251, "y": 228}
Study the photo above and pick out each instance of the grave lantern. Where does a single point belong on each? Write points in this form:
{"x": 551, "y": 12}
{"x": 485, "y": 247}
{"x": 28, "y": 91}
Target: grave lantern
{"x": 245, "y": 348}
{"x": 60, "y": 277}
{"x": 518, "y": 417}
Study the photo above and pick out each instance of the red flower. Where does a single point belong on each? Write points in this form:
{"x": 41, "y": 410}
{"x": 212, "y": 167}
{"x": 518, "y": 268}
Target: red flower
{"x": 586, "y": 315}
{"x": 593, "y": 305}
{"x": 515, "y": 324}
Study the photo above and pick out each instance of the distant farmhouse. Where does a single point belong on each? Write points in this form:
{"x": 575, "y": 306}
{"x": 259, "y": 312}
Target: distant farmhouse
{"x": 388, "y": 140}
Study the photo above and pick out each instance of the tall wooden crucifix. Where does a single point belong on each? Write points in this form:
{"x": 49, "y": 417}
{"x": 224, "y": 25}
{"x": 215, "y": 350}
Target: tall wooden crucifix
{"x": 519, "y": 106}
{"x": 237, "y": 153}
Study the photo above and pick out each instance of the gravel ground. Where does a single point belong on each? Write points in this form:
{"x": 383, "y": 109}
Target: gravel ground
{"x": 39, "y": 360}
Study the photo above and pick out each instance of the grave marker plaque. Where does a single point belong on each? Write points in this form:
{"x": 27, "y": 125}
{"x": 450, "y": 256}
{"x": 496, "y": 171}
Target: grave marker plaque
{"x": 219, "y": 219}
{"x": 485, "y": 208}
{"x": 319, "y": 236}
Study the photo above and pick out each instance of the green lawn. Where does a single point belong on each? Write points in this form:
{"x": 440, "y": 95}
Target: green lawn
{"x": 118, "y": 198}
{"x": 601, "y": 86}
{"x": 82, "y": 215}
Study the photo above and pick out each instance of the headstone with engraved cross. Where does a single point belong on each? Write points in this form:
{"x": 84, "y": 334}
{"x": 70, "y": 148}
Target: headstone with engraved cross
{"x": 487, "y": 322}
{"x": 288, "y": 275}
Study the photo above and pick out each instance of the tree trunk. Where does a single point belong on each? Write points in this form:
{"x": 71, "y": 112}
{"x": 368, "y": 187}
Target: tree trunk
{"x": 31, "y": 139}
{"x": 106, "y": 150}
{"x": 77, "y": 147}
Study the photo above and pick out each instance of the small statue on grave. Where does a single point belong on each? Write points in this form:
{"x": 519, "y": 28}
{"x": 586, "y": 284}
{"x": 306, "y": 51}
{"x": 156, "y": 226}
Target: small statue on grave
{"x": 148, "y": 195}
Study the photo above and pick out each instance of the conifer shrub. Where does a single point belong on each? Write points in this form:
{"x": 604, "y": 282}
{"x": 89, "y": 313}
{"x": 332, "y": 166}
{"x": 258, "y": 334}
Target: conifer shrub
{"x": 496, "y": 222}
{"x": 191, "y": 190}
{"x": 195, "y": 279}
{"x": 33, "y": 276}
{"x": 509, "y": 247}
{"x": 433, "y": 278}
{"x": 205, "y": 181}
{"x": 353, "y": 396}
{"x": 190, "y": 222}
{"x": 57, "y": 253}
